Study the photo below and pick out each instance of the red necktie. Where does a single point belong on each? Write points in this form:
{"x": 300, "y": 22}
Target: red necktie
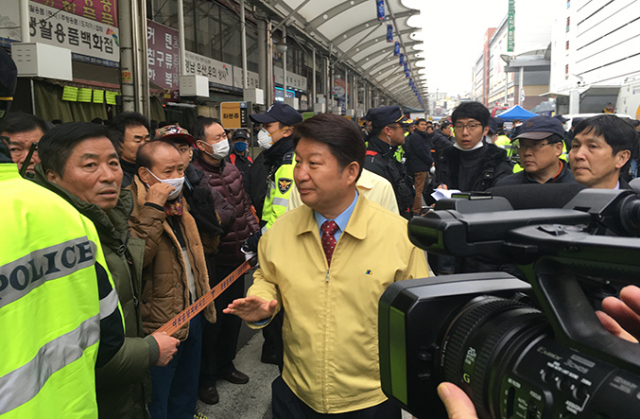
{"x": 329, "y": 228}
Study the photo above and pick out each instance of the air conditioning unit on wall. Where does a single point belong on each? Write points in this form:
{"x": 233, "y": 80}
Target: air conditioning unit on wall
{"x": 42, "y": 60}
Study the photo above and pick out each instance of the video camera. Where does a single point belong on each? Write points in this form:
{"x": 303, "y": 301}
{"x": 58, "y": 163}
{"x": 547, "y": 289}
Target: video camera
{"x": 527, "y": 350}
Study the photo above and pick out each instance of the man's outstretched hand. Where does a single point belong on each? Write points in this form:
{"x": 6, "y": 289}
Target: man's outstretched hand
{"x": 622, "y": 316}
{"x": 252, "y": 308}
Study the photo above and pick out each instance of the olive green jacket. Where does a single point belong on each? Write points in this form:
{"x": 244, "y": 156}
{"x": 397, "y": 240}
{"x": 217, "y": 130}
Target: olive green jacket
{"x": 123, "y": 384}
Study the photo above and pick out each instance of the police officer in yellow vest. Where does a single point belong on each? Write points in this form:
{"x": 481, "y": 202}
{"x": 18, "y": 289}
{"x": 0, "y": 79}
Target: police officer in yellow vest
{"x": 275, "y": 138}
{"x": 59, "y": 312}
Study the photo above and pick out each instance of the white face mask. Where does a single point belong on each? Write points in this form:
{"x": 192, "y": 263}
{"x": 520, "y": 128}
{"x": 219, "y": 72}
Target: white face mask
{"x": 264, "y": 139}
{"x": 220, "y": 150}
{"x": 176, "y": 183}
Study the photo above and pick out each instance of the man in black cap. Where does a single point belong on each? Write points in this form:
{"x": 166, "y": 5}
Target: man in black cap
{"x": 239, "y": 155}
{"x": 271, "y": 179}
{"x": 386, "y": 135}
{"x": 270, "y": 188}
{"x": 539, "y": 145}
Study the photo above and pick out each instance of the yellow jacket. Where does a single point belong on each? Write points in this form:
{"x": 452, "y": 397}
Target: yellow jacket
{"x": 374, "y": 187}
{"x": 330, "y": 329}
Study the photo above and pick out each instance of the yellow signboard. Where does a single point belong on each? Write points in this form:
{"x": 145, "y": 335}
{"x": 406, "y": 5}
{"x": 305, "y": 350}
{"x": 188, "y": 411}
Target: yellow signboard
{"x": 111, "y": 97}
{"x": 70, "y": 93}
{"x": 233, "y": 114}
{"x": 84, "y": 95}
{"x": 98, "y": 96}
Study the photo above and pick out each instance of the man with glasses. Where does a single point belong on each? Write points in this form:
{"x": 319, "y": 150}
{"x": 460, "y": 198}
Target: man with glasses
{"x": 386, "y": 135}
{"x": 472, "y": 164}
{"x": 539, "y": 145}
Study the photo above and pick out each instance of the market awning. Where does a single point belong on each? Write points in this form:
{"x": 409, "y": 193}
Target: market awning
{"x": 352, "y": 31}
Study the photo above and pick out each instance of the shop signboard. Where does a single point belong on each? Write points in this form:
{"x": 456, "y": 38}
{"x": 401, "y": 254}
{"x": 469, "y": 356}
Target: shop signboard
{"x": 103, "y": 11}
{"x": 511, "y": 25}
{"x": 294, "y": 81}
{"x": 90, "y": 41}
{"x": 234, "y": 114}
{"x": 163, "y": 59}
{"x": 219, "y": 73}
{"x": 253, "y": 79}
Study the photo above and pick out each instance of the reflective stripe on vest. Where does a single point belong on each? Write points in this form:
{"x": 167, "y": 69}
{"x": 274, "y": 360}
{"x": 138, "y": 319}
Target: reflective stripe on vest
{"x": 277, "y": 199}
{"x": 24, "y": 383}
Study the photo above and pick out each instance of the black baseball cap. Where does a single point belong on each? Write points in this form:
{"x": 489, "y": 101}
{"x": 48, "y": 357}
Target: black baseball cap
{"x": 386, "y": 115}
{"x": 540, "y": 127}
{"x": 561, "y": 118}
{"x": 278, "y": 112}
{"x": 240, "y": 133}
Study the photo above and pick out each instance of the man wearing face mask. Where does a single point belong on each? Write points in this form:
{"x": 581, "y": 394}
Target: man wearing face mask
{"x": 174, "y": 273}
{"x": 276, "y": 141}
{"x": 239, "y": 155}
{"x": 221, "y": 339}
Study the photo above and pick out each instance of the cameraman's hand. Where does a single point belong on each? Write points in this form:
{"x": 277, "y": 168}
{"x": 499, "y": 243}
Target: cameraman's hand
{"x": 622, "y": 316}
{"x": 456, "y": 401}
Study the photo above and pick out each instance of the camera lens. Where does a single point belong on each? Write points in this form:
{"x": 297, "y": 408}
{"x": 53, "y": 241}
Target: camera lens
{"x": 483, "y": 342}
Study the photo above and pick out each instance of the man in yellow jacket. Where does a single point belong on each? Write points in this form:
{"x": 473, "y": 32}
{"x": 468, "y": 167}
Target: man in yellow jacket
{"x": 326, "y": 264}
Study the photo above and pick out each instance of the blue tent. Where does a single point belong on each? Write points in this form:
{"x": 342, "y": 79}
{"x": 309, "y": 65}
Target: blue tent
{"x": 517, "y": 112}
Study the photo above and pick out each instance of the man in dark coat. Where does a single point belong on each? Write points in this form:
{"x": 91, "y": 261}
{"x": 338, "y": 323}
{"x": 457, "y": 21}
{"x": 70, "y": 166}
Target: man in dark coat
{"x": 539, "y": 146}
{"x": 417, "y": 149}
{"x": 387, "y": 133}
{"x": 472, "y": 164}
{"x": 239, "y": 155}
{"x": 600, "y": 151}
{"x": 221, "y": 338}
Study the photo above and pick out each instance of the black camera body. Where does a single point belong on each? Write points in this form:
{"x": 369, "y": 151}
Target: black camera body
{"x": 530, "y": 350}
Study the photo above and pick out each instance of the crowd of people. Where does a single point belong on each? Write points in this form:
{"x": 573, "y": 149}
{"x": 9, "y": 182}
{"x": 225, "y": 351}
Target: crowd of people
{"x": 159, "y": 218}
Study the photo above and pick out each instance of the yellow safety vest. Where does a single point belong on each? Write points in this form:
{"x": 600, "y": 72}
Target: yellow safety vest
{"x": 49, "y": 304}
{"x": 278, "y": 192}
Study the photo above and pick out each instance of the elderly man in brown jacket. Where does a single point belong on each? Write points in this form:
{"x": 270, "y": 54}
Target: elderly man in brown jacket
{"x": 174, "y": 274}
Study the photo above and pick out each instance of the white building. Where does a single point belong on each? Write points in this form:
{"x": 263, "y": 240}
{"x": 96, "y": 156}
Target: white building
{"x": 595, "y": 49}
{"x": 496, "y": 83}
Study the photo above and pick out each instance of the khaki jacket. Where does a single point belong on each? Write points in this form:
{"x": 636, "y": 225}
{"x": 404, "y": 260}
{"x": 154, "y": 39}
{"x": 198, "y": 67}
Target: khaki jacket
{"x": 330, "y": 329}
{"x": 165, "y": 290}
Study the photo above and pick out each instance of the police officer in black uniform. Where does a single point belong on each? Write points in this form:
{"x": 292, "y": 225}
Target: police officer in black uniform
{"x": 386, "y": 135}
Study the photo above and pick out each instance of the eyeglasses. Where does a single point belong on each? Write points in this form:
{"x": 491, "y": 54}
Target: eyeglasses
{"x": 533, "y": 146}
{"x": 471, "y": 127}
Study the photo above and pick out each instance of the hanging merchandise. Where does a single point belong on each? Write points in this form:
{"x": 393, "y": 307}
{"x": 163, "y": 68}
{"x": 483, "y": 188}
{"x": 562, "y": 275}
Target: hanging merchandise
{"x": 380, "y": 9}
{"x": 389, "y": 33}
{"x": 401, "y": 59}
{"x": 396, "y": 50}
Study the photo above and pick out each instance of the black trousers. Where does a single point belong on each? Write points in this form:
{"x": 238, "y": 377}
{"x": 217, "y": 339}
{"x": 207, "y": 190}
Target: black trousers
{"x": 220, "y": 340}
{"x": 286, "y": 405}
